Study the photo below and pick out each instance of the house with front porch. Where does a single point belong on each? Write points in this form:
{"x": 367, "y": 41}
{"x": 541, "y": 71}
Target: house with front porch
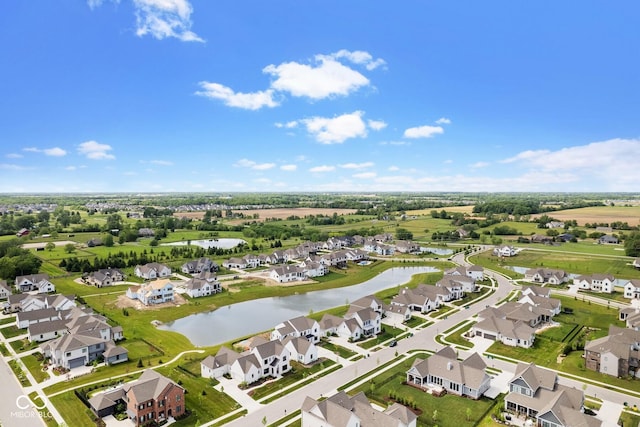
{"x": 596, "y": 282}
{"x": 237, "y": 263}
{"x": 505, "y": 251}
{"x": 395, "y": 314}
{"x": 407, "y": 247}
{"x": 198, "y": 266}
{"x": 106, "y": 277}
{"x": 443, "y": 369}
{"x": 475, "y": 272}
{"x": 368, "y": 320}
{"x": 152, "y": 271}
{"x": 287, "y": 273}
{"x": 546, "y": 275}
{"x": 38, "y": 283}
{"x": 300, "y": 326}
{"x": 151, "y": 293}
{"x": 535, "y": 393}
{"x": 329, "y": 324}
{"x": 218, "y": 365}
{"x": 301, "y": 350}
{"x": 5, "y": 289}
{"x": 617, "y": 354}
{"x": 197, "y": 288}
{"x": 632, "y": 289}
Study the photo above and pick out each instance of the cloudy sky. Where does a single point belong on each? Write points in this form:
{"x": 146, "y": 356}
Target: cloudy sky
{"x": 262, "y": 95}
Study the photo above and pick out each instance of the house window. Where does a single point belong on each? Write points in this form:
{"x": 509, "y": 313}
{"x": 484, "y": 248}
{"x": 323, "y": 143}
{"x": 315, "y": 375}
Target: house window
{"x": 178, "y": 397}
{"x": 178, "y": 409}
{"x": 149, "y": 403}
{"x": 141, "y": 406}
{"x": 284, "y": 358}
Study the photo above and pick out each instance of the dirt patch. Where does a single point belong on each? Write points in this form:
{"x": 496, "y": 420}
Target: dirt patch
{"x": 42, "y": 244}
{"x": 599, "y": 214}
{"x": 280, "y": 213}
{"x": 124, "y": 301}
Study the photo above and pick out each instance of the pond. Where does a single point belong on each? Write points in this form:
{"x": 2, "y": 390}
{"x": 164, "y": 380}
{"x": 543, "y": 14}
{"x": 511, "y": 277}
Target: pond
{"x": 224, "y": 243}
{"x": 252, "y": 317}
{"x": 437, "y": 251}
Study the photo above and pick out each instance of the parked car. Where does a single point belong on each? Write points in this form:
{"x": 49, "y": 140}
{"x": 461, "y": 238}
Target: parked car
{"x": 393, "y": 343}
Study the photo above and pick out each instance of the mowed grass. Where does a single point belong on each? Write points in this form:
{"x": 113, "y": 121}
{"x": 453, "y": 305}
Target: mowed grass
{"x": 575, "y": 263}
{"x": 35, "y": 368}
{"x": 73, "y": 410}
{"x": 450, "y": 410}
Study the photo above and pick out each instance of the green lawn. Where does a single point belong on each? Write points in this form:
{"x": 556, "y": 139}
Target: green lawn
{"x": 387, "y": 333}
{"x": 19, "y": 373}
{"x": 12, "y": 331}
{"x": 297, "y": 373}
{"x": 35, "y": 367}
{"x": 415, "y": 321}
{"x": 22, "y": 345}
{"x": 343, "y": 352}
{"x": 73, "y": 410}
{"x": 7, "y": 320}
{"x": 578, "y": 263}
{"x": 204, "y": 402}
{"x": 629, "y": 419}
{"x": 3, "y": 350}
{"x": 391, "y": 381}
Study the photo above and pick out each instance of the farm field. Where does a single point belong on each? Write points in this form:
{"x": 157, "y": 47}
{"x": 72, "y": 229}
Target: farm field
{"x": 608, "y": 214}
{"x": 279, "y": 213}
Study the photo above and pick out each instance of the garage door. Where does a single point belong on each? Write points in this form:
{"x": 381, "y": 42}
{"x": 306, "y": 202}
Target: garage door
{"x": 74, "y": 363}
{"x": 489, "y": 336}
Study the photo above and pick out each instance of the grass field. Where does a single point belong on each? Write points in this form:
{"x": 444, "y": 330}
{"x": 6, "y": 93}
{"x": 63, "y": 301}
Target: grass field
{"x": 576, "y": 263}
{"x": 35, "y": 368}
{"x": 450, "y": 410}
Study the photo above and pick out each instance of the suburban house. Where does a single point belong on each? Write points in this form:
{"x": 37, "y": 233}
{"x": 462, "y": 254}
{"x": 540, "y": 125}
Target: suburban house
{"x": 35, "y": 283}
{"x": 196, "y": 287}
{"x": 395, "y": 314}
{"x": 457, "y": 285}
{"x": 342, "y": 410}
{"x": 555, "y": 224}
{"x": 535, "y": 393}
{"x": 373, "y": 245}
{"x": 314, "y": 268}
{"x": 297, "y": 327}
{"x": 596, "y": 282}
{"x": 444, "y": 370}
{"x": 632, "y": 289}
{"x": 329, "y": 324}
{"x": 476, "y": 272}
{"x": 407, "y": 247}
{"x": 367, "y": 319}
{"x": 5, "y": 289}
{"x": 350, "y": 329}
{"x": 505, "y": 251}
{"x": 88, "y": 338}
{"x": 356, "y": 255}
{"x": 631, "y": 316}
{"x": 106, "y": 277}
{"x": 546, "y": 275}
{"x": 541, "y": 238}
{"x": 25, "y": 302}
{"x": 152, "y": 270}
{"x": 608, "y": 240}
{"x": 538, "y": 291}
{"x": 423, "y": 298}
{"x": 616, "y": 354}
{"x": 263, "y": 359}
{"x": 151, "y": 398}
{"x": 198, "y": 266}
{"x": 26, "y": 318}
{"x": 287, "y": 273}
{"x": 146, "y": 232}
{"x": 45, "y": 331}
{"x": 239, "y": 263}
{"x": 508, "y": 332}
{"x": 253, "y": 261}
{"x": 369, "y": 301}
{"x": 548, "y": 307}
{"x": 156, "y": 292}
{"x": 301, "y": 350}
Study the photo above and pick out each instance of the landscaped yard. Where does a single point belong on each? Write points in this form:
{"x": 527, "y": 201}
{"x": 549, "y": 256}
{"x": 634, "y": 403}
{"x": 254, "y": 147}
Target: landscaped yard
{"x": 387, "y": 333}
{"x": 34, "y": 365}
{"x": 629, "y": 419}
{"x": 449, "y": 410}
{"x": 298, "y": 373}
{"x": 12, "y": 331}
{"x": 343, "y": 352}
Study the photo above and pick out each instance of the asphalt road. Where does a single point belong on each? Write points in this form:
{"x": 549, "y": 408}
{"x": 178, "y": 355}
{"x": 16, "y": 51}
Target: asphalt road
{"x": 11, "y": 404}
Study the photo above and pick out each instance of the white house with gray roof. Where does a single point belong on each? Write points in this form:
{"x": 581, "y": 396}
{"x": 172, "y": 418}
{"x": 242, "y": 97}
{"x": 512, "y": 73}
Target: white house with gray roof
{"x": 596, "y": 282}
{"x": 5, "y": 289}
{"x": 152, "y": 271}
{"x": 300, "y": 326}
{"x": 301, "y": 350}
{"x": 38, "y": 283}
{"x": 443, "y": 369}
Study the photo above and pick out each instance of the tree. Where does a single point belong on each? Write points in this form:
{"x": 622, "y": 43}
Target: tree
{"x": 50, "y": 246}
{"x": 108, "y": 241}
{"x": 69, "y": 248}
{"x": 632, "y": 244}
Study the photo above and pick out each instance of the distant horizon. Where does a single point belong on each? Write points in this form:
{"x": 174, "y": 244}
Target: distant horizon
{"x": 175, "y": 96}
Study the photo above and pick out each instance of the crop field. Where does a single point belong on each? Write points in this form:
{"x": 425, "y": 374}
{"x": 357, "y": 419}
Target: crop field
{"x": 280, "y": 213}
{"x": 464, "y": 209}
{"x": 608, "y": 214}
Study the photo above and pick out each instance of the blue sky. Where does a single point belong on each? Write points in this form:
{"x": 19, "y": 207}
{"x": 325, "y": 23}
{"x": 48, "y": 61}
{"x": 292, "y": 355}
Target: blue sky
{"x": 226, "y": 96}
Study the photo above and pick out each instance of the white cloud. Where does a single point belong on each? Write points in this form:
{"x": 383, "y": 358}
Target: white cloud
{"x": 70, "y": 168}
{"x": 327, "y": 78}
{"x": 478, "y": 165}
{"x": 14, "y": 156}
{"x": 320, "y": 169}
{"x": 289, "y": 168}
{"x": 526, "y": 155}
{"x": 364, "y": 175}
{"x": 12, "y": 167}
{"x": 338, "y": 129}
{"x": 443, "y": 121}
{"x": 423, "y": 131}
{"x": 262, "y": 180}
{"x": 359, "y": 57}
{"x": 246, "y": 163}
{"x": 247, "y": 101}
{"x": 377, "y": 124}
{"x": 95, "y": 151}
{"x": 448, "y": 161}
{"x": 165, "y": 18}
{"x": 55, "y": 152}
{"x": 161, "y": 162}
{"x": 393, "y": 168}
{"x": 288, "y": 125}
{"x": 357, "y": 165}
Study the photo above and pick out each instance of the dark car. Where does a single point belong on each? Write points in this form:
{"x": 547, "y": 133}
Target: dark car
{"x": 393, "y": 343}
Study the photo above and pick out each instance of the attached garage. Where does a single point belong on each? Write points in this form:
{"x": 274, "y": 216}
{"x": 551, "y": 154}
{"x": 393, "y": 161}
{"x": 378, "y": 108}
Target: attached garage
{"x": 490, "y": 336}
{"x": 75, "y": 363}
